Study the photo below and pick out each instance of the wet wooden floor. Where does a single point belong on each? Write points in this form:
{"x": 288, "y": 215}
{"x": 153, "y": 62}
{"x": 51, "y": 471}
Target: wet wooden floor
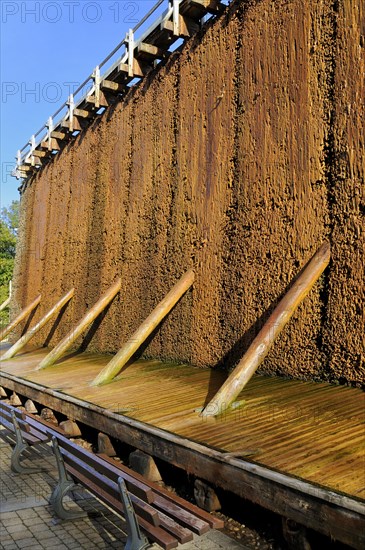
{"x": 313, "y": 431}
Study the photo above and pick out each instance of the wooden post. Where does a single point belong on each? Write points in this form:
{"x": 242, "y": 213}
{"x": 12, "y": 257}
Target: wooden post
{"x": 28, "y": 335}
{"x": 267, "y": 335}
{"x": 88, "y": 318}
{"x": 22, "y": 315}
{"x": 144, "y": 330}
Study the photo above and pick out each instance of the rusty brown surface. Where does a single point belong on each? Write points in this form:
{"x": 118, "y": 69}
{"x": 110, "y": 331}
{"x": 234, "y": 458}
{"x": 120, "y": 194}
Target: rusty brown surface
{"x": 229, "y": 159}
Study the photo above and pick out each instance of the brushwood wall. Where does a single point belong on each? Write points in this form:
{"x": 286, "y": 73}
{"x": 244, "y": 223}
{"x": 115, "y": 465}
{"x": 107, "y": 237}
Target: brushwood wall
{"x": 239, "y": 157}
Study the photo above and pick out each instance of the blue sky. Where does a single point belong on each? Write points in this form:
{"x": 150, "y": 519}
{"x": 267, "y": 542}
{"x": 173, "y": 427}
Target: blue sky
{"x": 47, "y": 48}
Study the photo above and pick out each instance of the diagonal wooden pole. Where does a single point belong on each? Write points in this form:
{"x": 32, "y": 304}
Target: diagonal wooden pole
{"x": 88, "y": 318}
{"x": 22, "y": 315}
{"x": 263, "y": 342}
{"x": 145, "y": 329}
{"x": 19, "y": 344}
{"x": 5, "y": 304}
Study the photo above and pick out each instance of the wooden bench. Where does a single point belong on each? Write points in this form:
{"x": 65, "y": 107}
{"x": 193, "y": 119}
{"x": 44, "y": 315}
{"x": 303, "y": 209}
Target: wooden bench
{"x": 151, "y": 512}
{"x": 27, "y": 431}
{"x": 163, "y": 517}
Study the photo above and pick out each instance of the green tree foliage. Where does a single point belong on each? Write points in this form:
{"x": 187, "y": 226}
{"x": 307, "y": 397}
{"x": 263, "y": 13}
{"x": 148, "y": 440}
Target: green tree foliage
{"x": 9, "y": 221}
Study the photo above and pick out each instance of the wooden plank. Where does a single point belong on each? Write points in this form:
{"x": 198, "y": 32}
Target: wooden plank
{"x": 159, "y": 535}
{"x": 26, "y": 169}
{"x": 40, "y": 154}
{"x": 182, "y": 534}
{"x": 22, "y": 315}
{"x": 113, "y": 86}
{"x": 82, "y": 113}
{"x": 23, "y": 340}
{"x": 145, "y": 329}
{"x": 263, "y": 342}
{"x": 30, "y": 435}
{"x": 151, "y": 50}
{"x": 181, "y": 515}
{"x": 86, "y": 321}
{"x": 58, "y": 135}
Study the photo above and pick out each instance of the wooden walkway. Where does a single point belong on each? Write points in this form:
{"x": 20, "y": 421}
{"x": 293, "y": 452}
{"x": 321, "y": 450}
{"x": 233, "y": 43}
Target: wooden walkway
{"x": 309, "y": 430}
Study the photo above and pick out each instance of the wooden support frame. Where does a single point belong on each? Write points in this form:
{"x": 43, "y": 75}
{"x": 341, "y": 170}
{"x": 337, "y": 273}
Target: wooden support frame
{"x": 22, "y": 315}
{"x": 263, "y": 342}
{"x": 150, "y": 50}
{"x": 145, "y": 329}
{"x": 52, "y": 145}
{"x": 19, "y": 344}
{"x": 138, "y": 69}
{"x": 186, "y": 27}
{"x": 85, "y": 322}
{"x": 111, "y": 85}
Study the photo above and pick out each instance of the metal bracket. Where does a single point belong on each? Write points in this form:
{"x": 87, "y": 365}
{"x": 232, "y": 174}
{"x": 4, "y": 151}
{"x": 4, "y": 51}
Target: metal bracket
{"x": 20, "y": 446}
{"x": 64, "y": 485}
{"x": 135, "y": 541}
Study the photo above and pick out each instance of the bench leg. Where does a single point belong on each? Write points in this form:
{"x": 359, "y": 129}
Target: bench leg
{"x": 63, "y": 486}
{"x": 135, "y": 541}
{"x": 20, "y": 446}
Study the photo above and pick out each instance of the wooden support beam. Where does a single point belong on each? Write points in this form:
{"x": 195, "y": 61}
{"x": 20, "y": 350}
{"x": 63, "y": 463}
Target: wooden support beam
{"x": 85, "y": 322}
{"x": 145, "y": 329}
{"x": 263, "y": 342}
{"x": 211, "y": 6}
{"x": 82, "y": 113}
{"x": 5, "y": 304}
{"x": 26, "y": 171}
{"x": 40, "y": 154}
{"x": 102, "y": 101}
{"x": 151, "y": 50}
{"x": 22, "y": 315}
{"x": 58, "y": 135}
{"x": 52, "y": 145}
{"x": 78, "y": 125}
{"x": 29, "y": 335}
{"x": 32, "y": 162}
{"x": 113, "y": 86}
{"x": 187, "y": 27}
{"x": 139, "y": 69}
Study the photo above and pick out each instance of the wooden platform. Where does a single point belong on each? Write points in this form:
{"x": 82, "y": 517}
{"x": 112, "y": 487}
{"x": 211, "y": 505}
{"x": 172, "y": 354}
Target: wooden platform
{"x": 286, "y": 436}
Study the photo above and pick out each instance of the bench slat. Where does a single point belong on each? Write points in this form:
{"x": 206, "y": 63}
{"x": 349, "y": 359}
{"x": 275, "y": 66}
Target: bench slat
{"x": 182, "y": 534}
{"x": 159, "y": 535}
{"x": 108, "y": 491}
{"x": 30, "y": 435}
{"x": 134, "y": 486}
{"x": 43, "y": 425}
{"x": 214, "y": 523}
{"x": 184, "y": 517}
